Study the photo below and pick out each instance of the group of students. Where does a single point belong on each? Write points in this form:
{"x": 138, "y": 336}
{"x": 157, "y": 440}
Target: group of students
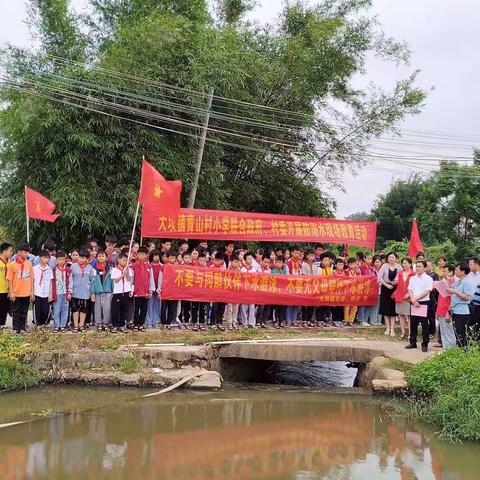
{"x": 116, "y": 287}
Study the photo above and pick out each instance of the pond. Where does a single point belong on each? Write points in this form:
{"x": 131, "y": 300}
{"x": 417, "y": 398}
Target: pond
{"x": 241, "y": 432}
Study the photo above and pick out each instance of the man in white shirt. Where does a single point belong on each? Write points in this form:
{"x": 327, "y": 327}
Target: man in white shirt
{"x": 474, "y": 276}
{"x": 419, "y": 290}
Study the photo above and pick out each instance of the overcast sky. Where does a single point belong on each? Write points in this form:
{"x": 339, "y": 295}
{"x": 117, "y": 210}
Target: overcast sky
{"x": 443, "y": 37}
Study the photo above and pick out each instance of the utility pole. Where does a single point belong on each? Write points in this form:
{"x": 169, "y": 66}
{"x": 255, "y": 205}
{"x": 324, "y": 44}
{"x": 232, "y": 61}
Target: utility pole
{"x": 201, "y": 146}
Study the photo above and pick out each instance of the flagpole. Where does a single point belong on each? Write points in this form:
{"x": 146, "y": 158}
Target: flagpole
{"x": 133, "y": 232}
{"x": 137, "y": 211}
{"x": 26, "y": 211}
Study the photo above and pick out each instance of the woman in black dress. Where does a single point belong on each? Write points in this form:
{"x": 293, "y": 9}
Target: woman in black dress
{"x": 388, "y": 279}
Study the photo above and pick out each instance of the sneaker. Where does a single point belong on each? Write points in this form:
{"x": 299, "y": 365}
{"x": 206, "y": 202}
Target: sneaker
{"x": 410, "y": 345}
{"x": 365, "y": 324}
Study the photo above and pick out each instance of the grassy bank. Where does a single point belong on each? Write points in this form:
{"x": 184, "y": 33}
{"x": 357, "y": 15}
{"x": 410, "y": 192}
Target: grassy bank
{"x": 15, "y": 372}
{"x": 444, "y": 391}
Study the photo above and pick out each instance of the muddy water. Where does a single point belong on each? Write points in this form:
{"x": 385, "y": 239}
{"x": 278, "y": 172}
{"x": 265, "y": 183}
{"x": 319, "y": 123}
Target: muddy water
{"x": 239, "y": 433}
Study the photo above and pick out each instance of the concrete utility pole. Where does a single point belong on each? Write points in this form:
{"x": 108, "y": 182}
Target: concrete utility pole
{"x": 201, "y": 146}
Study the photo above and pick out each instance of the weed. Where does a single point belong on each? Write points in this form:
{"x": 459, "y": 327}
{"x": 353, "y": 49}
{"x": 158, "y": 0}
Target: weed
{"x": 15, "y": 375}
{"x": 129, "y": 364}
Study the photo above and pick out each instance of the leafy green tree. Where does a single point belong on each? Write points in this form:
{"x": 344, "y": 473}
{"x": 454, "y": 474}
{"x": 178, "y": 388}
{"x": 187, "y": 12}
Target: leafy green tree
{"x": 394, "y": 210}
{"x": 87, "y": 160}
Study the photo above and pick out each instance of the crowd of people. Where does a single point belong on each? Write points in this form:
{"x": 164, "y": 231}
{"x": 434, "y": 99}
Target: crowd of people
{"x": 115, "y": 287}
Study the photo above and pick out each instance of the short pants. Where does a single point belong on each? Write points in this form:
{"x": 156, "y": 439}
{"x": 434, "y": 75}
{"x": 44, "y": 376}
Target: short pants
{"x": 79, "y": 305}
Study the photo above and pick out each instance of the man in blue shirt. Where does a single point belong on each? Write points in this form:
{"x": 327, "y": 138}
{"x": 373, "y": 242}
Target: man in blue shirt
{"x": 461, "y": 292}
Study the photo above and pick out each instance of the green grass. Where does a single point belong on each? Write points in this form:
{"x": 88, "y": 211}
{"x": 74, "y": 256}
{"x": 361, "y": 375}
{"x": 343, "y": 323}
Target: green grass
{"x": 129, "y": 364}
{"x": 396, "y": 364}
{"x": 15, "y": 375}
{"x": 445, "y": 392}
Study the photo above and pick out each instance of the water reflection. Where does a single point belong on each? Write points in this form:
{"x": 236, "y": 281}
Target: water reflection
{"x": 233, "y": 435}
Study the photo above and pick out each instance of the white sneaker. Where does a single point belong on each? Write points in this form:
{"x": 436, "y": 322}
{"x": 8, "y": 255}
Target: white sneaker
{"x": 365, "y": 324}
{"x": 387, "y": 333}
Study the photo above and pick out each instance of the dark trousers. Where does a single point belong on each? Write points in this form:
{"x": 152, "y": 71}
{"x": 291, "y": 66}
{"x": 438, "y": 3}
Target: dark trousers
{"x": 171, "y": 307}
{"x": 337, "y": 314}
{"x": 461, "y": 322}
{"x": 20, "y": 313}
{"x": 185, "y": 311}
{"x": 279, "y": 311}
{"x": 432, "y": 307}
{"x": 163, "y": 312}
{"x": 119, "y": 309}
{"x": 263, "y": 314}
{"x": 140, "y": 305}
{"x": 309, "y": 314}
{"x": 42, "y": 310}
{"x": 4, "y": 308}
{"x": 414, "y": 322}
{"x": 324, "y": 314}
{"x": 474, "y": 322}
{"x": 199, "y": 312}
{"x": 216, "y": 314}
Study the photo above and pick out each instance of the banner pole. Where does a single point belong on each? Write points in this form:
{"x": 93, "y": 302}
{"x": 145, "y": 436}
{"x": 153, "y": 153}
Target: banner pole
{"x": 26, "y": 211}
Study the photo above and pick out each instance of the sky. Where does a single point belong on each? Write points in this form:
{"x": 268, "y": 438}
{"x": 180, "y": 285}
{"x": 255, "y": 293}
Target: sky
{"x": 443, "y": 38}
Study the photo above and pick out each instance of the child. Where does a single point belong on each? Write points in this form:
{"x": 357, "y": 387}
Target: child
{"x": 324, "y": 313}
{"x": 294, "y": 265}
{"x": 156, "y": 277}
{"x": 218, "y": 308}
{"x": 20, "y": 287}
{"x": 186, "y": 306}
{"x": 200, "y": 309}
{"x": 171, "y": 306}
{"x": 310, "y": 268}
{"x": 112, "y": 255}
{"x": 62, "y": 292}
{"x": 73, "y": 257}
{"x": 195, "y": 255}
{"x": 42, "y": 288}
{"x": 102, "y": 288}
{"x": 264, "y": 311}
{"x": 6, "y": 251}
{"x": 337, "y": 312}
{"x": 231, "y": 310}
{"x": 122, "y": 290}
{"x": 141, "y": 288}
{"x": 82, "y": 279}
{"x": 349, "y": 311}
{"x": 248, "y": 310}
{"x": 280, "y": 269}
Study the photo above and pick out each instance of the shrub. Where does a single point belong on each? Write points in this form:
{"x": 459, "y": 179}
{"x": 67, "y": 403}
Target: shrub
{"x": 129, "y": 365}
{"x": 446, "y": 392}
{"x": 15, "y": 375}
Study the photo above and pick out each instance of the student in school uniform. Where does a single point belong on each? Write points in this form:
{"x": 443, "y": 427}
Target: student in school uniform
{"x": 349, "y": 311}
{"x": 231, "y": 309}
{"x": 102, "y": 288}
{"x": 264, "y": 311}
{"x": 122, "y": 277}
{"x": 294, "y": 265}
{"x": 309, "y": 267}
{"x": 62, "y": 292}
{"x": 248, "y": 310}
{"x": 218, "y": 308}
{"x": 200, "y": 310}
{"x": 279, "y": 310}
{"x": 171, "y": 306}
{"x": 154, "y": 302}
{"x": 20, "y": 287}
{"x": 82, "y": 279}
{"x": 42, "y": 288}
{"x": 6, "y": 251}
{"x": 141, "y": 288}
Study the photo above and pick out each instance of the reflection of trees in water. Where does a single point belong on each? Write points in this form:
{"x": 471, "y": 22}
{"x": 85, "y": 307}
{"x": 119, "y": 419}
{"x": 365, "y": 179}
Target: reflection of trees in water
{"x": 222, "y": 439}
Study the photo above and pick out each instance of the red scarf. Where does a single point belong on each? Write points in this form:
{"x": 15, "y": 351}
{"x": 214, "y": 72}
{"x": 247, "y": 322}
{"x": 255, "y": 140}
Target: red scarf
{"x": 248, "y": 267}
{"x": 63, "y": 270}
{"x": 21, "y": 261}
{"x": 83, "y": 267}
{"x": 43, "y": 270}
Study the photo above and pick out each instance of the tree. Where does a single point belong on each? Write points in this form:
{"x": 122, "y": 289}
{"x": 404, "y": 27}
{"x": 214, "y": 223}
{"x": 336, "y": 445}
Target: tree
{"x": 361, "y": 216}
{"x": 394, "y": 211}
{"x": 87, "y": 162}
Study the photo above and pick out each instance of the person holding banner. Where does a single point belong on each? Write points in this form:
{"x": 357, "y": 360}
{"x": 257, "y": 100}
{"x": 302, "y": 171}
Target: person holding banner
{"x": 248, "y": 310}
{"x": 231, "y": 310}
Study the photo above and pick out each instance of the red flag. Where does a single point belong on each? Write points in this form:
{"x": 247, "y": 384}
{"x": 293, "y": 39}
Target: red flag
{"x": 415, "y": 242}
{"x": 39, "y": 207}
{"x": 157, "y": 195}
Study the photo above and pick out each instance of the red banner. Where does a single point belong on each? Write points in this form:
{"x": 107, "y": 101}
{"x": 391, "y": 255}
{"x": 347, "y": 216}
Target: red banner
{"x": 227, "y": 286}
{"x": 219, "y": 224}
